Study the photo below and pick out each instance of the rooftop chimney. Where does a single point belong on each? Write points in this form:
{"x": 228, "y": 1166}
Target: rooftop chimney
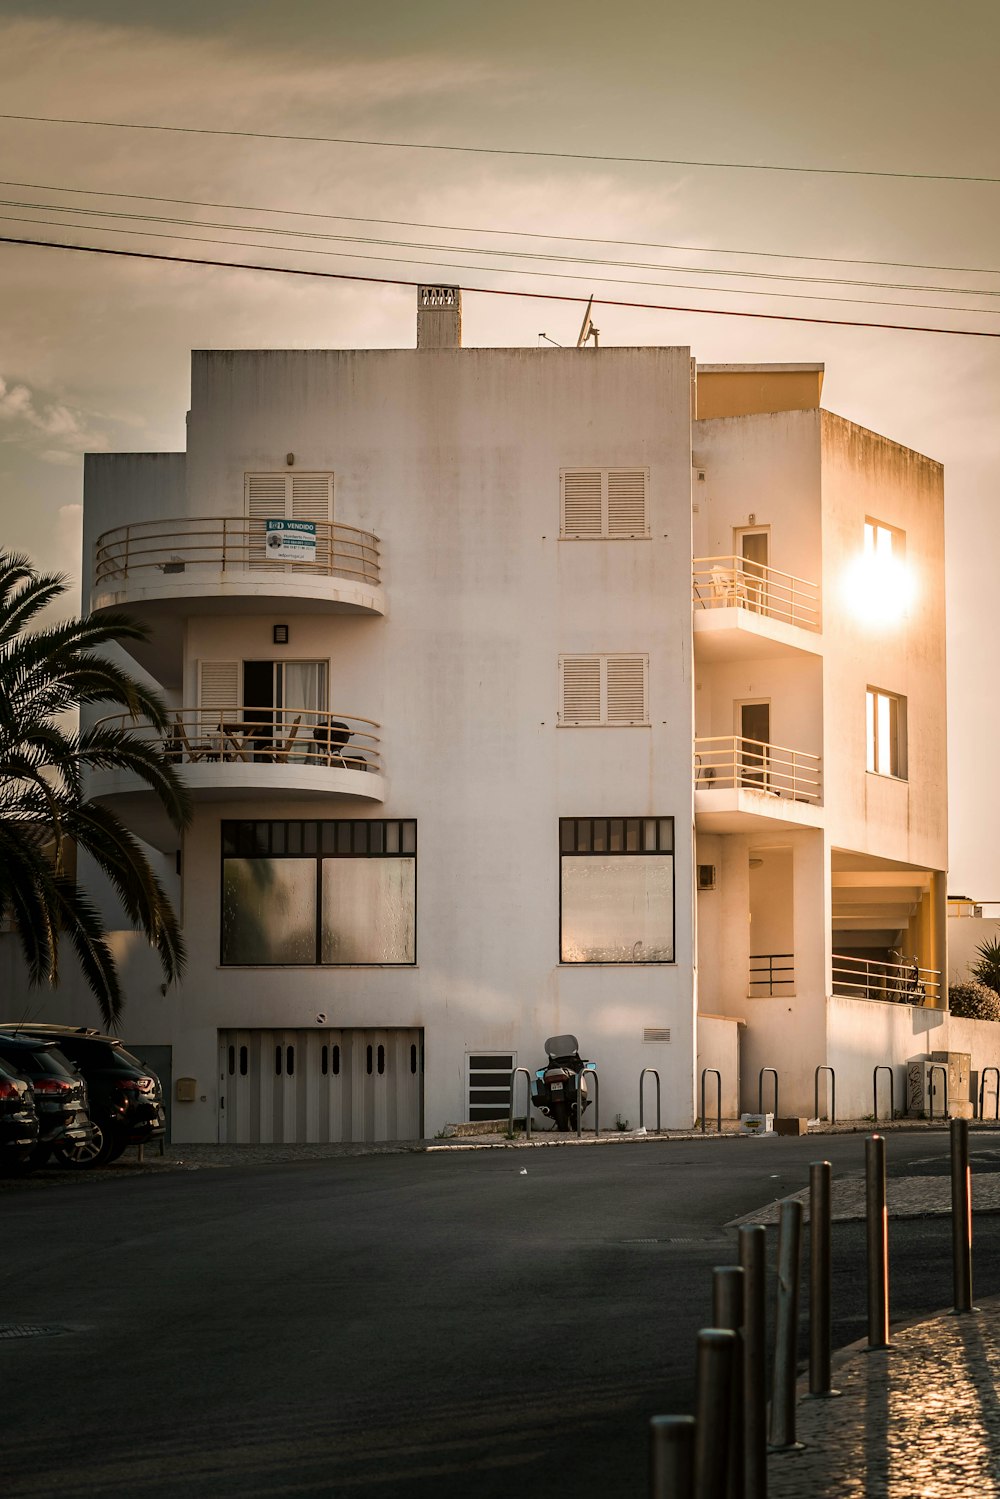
{"x": 439, "y": 317}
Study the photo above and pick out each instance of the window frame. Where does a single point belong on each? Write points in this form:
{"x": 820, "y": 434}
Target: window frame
{"x": 898, "y": 749}
{"x": 358, "y": 831}
{"x": 659, "y": 836}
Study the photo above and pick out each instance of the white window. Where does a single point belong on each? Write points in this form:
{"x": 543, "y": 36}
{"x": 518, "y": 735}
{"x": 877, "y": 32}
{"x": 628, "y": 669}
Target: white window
{"x": 886, "y": 733}
{"x": 603, "y": 503}
{"x": 883, "y": 542}
{"x": 603, "y": 690}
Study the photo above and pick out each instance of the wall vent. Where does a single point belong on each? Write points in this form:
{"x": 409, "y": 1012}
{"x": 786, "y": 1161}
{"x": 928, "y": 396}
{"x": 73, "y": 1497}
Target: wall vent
{"x": 656, "y": 1033}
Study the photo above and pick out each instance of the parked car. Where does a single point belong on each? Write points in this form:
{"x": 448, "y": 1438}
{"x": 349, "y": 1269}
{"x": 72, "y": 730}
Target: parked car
{"x": 18, "y": 1121}
{"x": 126, "y": 1100}
{"x": 60, "y": 1093}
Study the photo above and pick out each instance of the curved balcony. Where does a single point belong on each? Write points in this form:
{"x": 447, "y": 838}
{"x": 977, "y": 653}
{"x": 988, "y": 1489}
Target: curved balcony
{"x": 741, "y": 784}
{"x": 744, "y": 609}
{"x": 248, "y": 754}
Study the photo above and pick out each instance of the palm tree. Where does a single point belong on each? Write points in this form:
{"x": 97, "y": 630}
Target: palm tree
{"x": 45, "y": 813}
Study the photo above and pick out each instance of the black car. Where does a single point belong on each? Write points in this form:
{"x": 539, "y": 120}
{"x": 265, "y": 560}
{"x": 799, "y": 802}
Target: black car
{"x": 126, "y": 1100}
{"x": 18, "y": 1121}
{"x": 59, "y": 1091}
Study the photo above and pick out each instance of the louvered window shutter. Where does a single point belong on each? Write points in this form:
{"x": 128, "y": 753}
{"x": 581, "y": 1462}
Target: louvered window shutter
{"x": 265, "y": 495}
{"x": 582, "y": 509}
{"x": 219, "y": 685}
{"x": 312, "y": 497}
{"x": 626, "y": 689}
{"x": 627, "y": 502}
{"x": 581, "y": 689}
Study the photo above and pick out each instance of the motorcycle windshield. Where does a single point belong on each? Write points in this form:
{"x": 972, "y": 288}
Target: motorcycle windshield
{"x": 562, "y": 1046}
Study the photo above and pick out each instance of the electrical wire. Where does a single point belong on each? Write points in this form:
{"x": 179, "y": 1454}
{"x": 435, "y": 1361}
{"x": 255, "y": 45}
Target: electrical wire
{"x": 404, "y": 244}
{"x": 497, "y": 291}
{"x": 658, "y": 161}
{"x": 635, "y": 244}
{"x": 445, "y": 265}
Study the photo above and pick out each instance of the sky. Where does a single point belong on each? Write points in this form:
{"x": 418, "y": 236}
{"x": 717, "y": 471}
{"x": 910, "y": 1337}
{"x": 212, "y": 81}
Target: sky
{"x": 94, "y": 352}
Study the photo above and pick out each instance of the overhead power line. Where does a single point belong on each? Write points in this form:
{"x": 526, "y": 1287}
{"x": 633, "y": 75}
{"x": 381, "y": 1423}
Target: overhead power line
{"x": 504, "y": 253}
{"x": 657, "y": 161}
{"x": 498, "y": 291}
{"x": 578, "y": 239}
{"x": 453, "y": 265}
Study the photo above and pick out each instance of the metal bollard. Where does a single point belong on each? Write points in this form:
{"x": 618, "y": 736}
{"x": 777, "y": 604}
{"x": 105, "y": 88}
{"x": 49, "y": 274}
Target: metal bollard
{"x": 753, "y": 1259}
{"x": 714, "y": 1072}
{"x": 820, "y": 1290}
{"x": 996, "y": 1091}
{"x": 713, "y": 1404}
{"x": 878, "y": 1243}
{"x": 671, "y": 1457}
{"x": 961, "y": 1215}
{"x": 786, "y": 1333}
{"x": 727, "y": 1312}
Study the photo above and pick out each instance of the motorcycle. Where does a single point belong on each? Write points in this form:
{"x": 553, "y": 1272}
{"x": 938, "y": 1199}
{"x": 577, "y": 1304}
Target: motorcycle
{"x": 560, "y": 1086}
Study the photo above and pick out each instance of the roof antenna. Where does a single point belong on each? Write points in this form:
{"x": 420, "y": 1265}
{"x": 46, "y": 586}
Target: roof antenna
{"x": 588, "y": 330}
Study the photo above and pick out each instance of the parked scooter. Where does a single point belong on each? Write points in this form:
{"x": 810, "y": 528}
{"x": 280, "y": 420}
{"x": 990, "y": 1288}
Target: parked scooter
{"x": 561, "y": 1084}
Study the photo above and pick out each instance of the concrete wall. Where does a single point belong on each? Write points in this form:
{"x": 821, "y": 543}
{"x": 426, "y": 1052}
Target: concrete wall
{"x": 453, "y": 458}
{"x": 964, "y": 936}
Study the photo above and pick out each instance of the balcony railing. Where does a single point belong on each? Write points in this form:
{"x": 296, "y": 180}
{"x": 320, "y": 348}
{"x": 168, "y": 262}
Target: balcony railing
{"x": 729, "y": 761}
{"x": 264, "y": 736}
{"x": 736, "y": 583}
{"x": 896, "y": 983}
{"x": 221, "y": 544}
{"x": 771, "y": 973}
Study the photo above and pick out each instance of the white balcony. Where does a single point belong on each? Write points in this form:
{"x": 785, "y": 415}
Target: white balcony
{"x": 248, "y": 755}
{"x": 744, "y": 783}
{"x": 745, "y": 610}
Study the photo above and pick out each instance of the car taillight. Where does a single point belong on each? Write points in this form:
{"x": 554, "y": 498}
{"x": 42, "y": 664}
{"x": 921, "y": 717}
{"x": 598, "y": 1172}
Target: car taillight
{"x": 135, "y": 1085}
{"x": 53, "y": 1085}
{"x": 9, "y": 1089}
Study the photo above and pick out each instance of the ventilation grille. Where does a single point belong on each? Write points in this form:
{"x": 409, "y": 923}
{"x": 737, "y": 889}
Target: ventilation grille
{"x": 656, "y": 1033}
{"x": 609, "y": 502}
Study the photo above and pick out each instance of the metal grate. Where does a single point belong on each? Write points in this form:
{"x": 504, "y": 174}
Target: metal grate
{"x": 654, "y": 1033}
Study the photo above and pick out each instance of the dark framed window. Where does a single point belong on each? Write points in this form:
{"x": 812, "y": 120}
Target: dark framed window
{"x": 616, "y": 890}
{"x": 319, "y": 892}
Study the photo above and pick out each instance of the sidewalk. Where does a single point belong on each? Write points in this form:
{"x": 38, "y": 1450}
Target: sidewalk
{"x": 922, "y": 1422}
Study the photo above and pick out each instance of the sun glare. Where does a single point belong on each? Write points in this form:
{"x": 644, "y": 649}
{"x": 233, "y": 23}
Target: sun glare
{"x": 878, "y": 587}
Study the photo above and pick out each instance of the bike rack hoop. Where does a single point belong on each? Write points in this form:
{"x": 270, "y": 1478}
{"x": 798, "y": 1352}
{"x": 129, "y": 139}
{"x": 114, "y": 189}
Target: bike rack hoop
{"x": 527, "y": 1108}
{"x": 642, "y": 1078}
{"x": 713, "y": 1072}
{"x": 760, "y": 1089}
{"x": 932, "y": 1068}
{"x": 579, "y": 1102}
{"x": 883, "y": 1067}
{"x": 833, "y": 1092}
{"x": 996, "y": 1090}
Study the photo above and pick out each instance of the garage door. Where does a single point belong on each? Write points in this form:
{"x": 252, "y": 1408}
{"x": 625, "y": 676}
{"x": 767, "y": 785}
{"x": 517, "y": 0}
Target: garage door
{"x": 320, "y": 1085}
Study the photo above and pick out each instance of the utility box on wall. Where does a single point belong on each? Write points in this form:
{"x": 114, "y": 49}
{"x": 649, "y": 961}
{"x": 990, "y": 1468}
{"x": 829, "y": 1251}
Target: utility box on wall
{"x": 926, "y": 1090}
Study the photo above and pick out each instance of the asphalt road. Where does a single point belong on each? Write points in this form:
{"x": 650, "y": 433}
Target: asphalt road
{"x": 421, "y": 1325}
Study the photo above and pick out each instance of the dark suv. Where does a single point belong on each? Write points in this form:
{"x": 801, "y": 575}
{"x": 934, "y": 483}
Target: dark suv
{"x": 18, "y": 1121}
{"x": 126, "y": 1100}
{"x": 60, "y": 1093}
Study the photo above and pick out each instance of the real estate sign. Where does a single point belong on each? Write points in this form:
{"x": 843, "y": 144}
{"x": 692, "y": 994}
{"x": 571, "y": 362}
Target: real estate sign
{"x": 291, "y": 540}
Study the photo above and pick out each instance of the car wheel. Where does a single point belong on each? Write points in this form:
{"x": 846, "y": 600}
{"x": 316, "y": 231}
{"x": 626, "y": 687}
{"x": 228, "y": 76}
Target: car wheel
{"x": 97, "y": 1152}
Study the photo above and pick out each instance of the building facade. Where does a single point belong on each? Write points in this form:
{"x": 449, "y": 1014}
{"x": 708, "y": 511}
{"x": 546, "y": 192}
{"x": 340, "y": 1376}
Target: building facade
{"x": 525, "y": 691}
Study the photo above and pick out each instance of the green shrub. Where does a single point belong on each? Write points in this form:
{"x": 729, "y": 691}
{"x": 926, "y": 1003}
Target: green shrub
{"x": 974, "y": 1001}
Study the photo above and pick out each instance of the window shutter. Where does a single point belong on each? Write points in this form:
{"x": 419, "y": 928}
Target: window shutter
{"x": 581, "y": 502}
{"x": 581, "y": 689}
{"x": 219, "y": 684}
{"x": 626, "y": 689}
{"x": 312, "y": 497}
{"x": 627, "y": 502}
{"x": 265, "y": 496}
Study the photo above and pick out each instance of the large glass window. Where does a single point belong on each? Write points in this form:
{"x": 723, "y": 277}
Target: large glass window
{"x": 330, "y": 892}
{"x": 616, "y": 889}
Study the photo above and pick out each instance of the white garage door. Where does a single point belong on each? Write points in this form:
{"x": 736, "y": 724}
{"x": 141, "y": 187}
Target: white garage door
{"x": 320, "y": 1085}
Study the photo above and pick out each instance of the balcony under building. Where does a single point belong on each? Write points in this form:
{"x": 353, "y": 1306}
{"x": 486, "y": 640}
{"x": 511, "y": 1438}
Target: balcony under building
{"x": 886, "y": 942}
{"x": 741, "y": 784}
{"x": 248, "y": 755}
{"x": 745, "y": 609}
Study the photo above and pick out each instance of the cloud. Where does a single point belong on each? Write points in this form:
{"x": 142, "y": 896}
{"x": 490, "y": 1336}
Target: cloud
{"x": 57, "y": 432}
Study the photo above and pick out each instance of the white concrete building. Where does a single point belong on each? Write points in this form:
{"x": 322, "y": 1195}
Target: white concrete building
{"x": 500, "y": 724}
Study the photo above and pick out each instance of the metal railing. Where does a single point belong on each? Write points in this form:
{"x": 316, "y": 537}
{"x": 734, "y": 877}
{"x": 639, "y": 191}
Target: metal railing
{"x": 996, "y": 1091}
{"x": 896, "y": 983}
{"x": 883, "y": 1067}
{"x": 728, "y": 761}
{"x": 771, "y": 973}
{"x": 738, "y": 583}
{"x": 282, "y": 736}
{"x": 221, "y": 544}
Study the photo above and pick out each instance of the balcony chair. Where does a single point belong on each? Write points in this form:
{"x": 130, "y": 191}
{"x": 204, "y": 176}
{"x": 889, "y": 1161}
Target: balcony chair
{"x": 285, "y": 750}
{"x": 728, "y": 587}
{"x": 179, "y": 746}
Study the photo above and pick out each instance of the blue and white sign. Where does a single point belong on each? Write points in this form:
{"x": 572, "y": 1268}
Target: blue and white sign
{"x": 291, "y": 540}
